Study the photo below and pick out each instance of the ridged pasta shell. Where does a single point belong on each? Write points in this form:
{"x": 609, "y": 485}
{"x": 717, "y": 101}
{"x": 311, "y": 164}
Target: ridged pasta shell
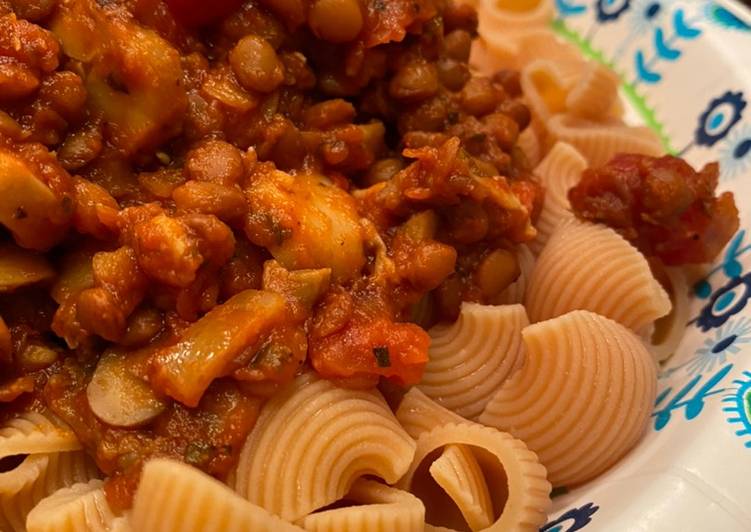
{"x": 385, "y": 509}
{"x": 560, "y": 170}
{"x": 418, "y": 413}
{"x": 78, "y": 508}
{"x": 670, "y": 329}
{"x": 495, "y": 50}
{"x": 121, "y": 524}
{"x": 583, "y": 397}
{"x": 545, "y": 92}
{"x": 35, "y": 432}
{"x": 595, "y": 93}
{"x": 599, "y": 141}
{"x": 494, "y": 18}
{"x": 460, "y": 476}
{"x": 313, "y": 440}
{"x": 510, "y": 469}
{"x": 591, "y": 267}
{"x": 514, "y": 293}
{"x": 470, "y": 358}
{"x": 38, "y": 476}
{"x": 175, "y": 497}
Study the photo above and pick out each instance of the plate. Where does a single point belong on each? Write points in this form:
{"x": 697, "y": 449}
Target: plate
{"x": 685, "y": 68}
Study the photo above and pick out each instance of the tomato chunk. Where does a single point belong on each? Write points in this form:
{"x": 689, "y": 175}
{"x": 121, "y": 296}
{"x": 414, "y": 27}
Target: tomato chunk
{"x": 354, "y": 337}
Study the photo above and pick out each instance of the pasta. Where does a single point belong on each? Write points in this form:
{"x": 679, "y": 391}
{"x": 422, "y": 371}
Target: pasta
{"x": 312, "y": 441}
{"x": 35, "y": 432}
{"x": 174, "y": 497}
{"x": 598, "y": 142}
{"x": 494, "y": 51}
{"x": 668, "y": 330}
{"x": 604, "y": 274}
{"x": 583, "y": 397}
{"x": 509, "y": 468}
{"x": 595, "y": 93}
{"x": 558, "y": 172}
{"x": 385, "y": 509}
{"x": 503, "y": 16}
{"x": 121, "y": 524}
{"x": 82, "y": 506}
{"x": 472, "y": 357}
{"x": 545, "y": 91}
{"x": 457, "y": 472}
{"x": 38, "y": 476}
{"x": 417, "y": 414}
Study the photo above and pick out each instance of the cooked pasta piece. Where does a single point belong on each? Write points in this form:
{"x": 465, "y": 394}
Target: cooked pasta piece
{"x": 494, "y": 51}
{"x": 35, "y": 432}
{"x": 591, "y": 267}
{"x": 470, "y": 358}
{"x": 515, "y": 479}
{"x": 508, "y": 16}
{"x": 460, "y": 476}
{"x": 38, "y": 476}
{"x": 81, "y": 507}
{"x": 313, "y": 440}
{"x": 175, "y": 497}
{"x": 385, "y": 509}
{"x": 545, "y": 92}
{"x": 595, "y": 93}
{"x": 121, "y": 524}
{"x": 418, "y": 413}
{"x": 560, "y": 170}
{"x": 543, "y": 44}
{"x": 514, "y": 293}
{"x": 583, "y": 397}
{"x": 669, "y": 330}
{"x": 599, "y": 141}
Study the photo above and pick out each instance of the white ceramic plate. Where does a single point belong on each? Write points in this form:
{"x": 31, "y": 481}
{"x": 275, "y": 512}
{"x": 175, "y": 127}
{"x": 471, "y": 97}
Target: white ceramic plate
{"x": 686, "y": 71}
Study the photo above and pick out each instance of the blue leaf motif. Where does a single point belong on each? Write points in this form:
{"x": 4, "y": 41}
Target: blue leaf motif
{"x": 644, "y": 73}
{"x": 682, "y": 29}
{"x": 731, "y": 267}
{"x": 663, "y": 49}
{"x": 569, "y": 9}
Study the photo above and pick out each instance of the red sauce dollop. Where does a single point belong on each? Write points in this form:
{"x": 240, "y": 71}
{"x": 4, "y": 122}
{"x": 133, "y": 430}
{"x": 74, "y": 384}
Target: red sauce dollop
{"x": 662, "y": 205}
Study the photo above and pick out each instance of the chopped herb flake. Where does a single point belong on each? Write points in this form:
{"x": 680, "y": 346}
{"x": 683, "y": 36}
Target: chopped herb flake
{"x": 382, "y": 356}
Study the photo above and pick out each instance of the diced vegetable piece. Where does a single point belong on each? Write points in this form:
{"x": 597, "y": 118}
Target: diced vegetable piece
{"x": 19, "y": 267}
{"x": 306, "y": 222}
{"x": 76, "y": 274}
{"x": 28, "y": 208}
{"x": 119, "y": 288}
{"x": 207, "y": 348}
{"x": 134, "y": 77}
{"x": 303, "y": 288}
{"x": 118, "y": 397}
